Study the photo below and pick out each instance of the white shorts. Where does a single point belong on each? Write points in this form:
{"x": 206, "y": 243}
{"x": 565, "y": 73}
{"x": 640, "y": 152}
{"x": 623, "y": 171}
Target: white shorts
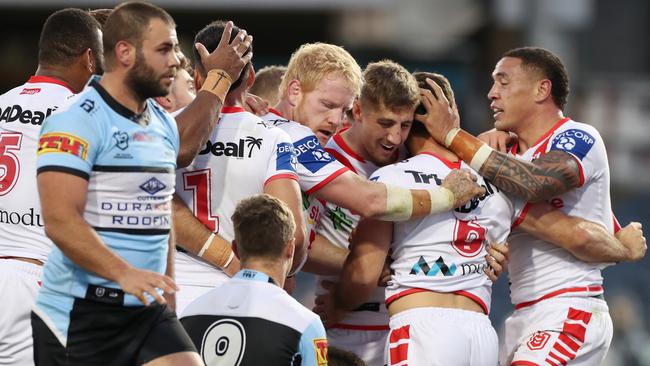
{"x": 19, "y": 285}
{"x": 439, "y": 336}
{"x": 194, "y": 279}
{"x": 558, "y": 331}
{"x": 369, "y": 345}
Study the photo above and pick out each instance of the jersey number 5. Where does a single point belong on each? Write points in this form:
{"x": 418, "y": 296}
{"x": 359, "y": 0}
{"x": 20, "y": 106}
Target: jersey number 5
{"x": 9, "y": 164}
{"x": 468, "y": 238}
{"x": 199, "y": 183}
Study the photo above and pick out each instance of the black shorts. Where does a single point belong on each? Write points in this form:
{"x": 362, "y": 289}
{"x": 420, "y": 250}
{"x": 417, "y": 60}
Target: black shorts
{"x": 106, "y": 334}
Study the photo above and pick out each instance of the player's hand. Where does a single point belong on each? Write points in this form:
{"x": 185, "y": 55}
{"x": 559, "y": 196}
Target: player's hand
{"x": 139, "y": 282}
{"x": 228, "y": 56}
{"x": 255, "y": 104}
{"x": 632, "y": 238}
{"x": 440, "y": 117}
{"x": 171, "y": 300}
{"x": 325, "y": 308}
{"x": 498, "y": 140}
{"x": 386, "y": 272}
{"x": 497, "y": 260}
{"x": 463, "y": 185}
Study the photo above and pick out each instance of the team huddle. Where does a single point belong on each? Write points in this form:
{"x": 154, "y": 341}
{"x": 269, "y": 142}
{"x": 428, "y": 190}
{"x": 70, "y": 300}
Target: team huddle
{"x": 176, "y": 204}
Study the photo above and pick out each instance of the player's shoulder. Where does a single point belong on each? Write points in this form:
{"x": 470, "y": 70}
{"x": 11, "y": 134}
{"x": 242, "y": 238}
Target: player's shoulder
{"x": 579, "y": 130}
{"x": 294, "y": 129}
{"x": 300, "y": 316}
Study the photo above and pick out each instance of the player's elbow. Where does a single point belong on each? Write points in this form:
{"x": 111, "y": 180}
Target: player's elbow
{"x": 373, "y": 204}
{"x": 581, "y": 240}
{"x": 185, "y": 157}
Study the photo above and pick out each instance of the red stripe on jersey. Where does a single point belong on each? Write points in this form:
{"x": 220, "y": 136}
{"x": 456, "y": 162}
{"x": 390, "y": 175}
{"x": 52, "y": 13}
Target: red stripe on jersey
{"x": 523, "y": 363}
{"x": 474, "y": 298}
{"x": 324, "y": 182}
{"x": 275, "y": 111}
{"x": 550, "y": 132}
{"x": 582, "y": 173}
{"x": 558, "y": 348}
{"x": 361, "y": 327}
{"x": 281, "y": 176}
{"x": 558, "y": 359}
{"x": 341, "y": 159}
{"x": 338, "y": 138}
{"x": 232, "y": 109}
{"x": 551, "y": 362}
{"x": 49, "y": 80}
{"x": 575, "y": 314}
{"x": 617, "y": 225}
{"x": 522, "y": 216}
{"x": 592, "y": 290}
{"x": 450, "y": 164}
{"x": 400, "y": 352}
{"x": 404, "y": 293}
{"x": 573, "y": 346}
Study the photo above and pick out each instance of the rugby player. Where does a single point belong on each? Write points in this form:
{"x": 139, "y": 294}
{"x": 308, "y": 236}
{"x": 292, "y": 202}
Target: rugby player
{"x": 250, "y": 319}
{"x": 242, "y": 157}
{"x": 267, "y": 83}
{"x": 115, "y": 151}
{"x": 560, "y": 314}
{"x": 70, "y": 51}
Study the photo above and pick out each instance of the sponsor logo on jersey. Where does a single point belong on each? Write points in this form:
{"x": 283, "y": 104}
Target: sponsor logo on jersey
{"x": 538, "y": 340}
{"x": 241, "y": 149}
{"x": 137, "y": 214}
{"x": 121, "y": 140}
{"x": 29, "y": 218}
{"x": 421, "y": 177}
{"x": 60, "y": 142}
{"x": 468, "y": 237}
{"x": 470, "y": 206}
{"x": 310, "y": 154}
{"x": 88, "y": 105}
{"x": 17, "y": 113}
{"x": 574, "y": 141}
{"x": 320, "y": 348}
{"x": 30, "y": 91}
{"x": 439, "y": 266}
{"x": 153, "y": 186}
{"x": 286, "y": 158}
{"x": 340, "y": 220}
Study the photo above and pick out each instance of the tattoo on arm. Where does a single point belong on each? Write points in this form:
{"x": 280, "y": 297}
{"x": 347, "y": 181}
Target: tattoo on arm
{"x": 552, "y": 174}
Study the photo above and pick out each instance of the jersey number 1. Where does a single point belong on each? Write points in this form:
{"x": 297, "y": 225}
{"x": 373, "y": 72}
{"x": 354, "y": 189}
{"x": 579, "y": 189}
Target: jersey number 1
{"x": 199, "y": 183}
{"x": 9, "y": 164}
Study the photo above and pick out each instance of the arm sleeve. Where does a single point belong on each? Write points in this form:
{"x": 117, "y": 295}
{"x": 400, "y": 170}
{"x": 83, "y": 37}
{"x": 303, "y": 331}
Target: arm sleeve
{"x": 313, "y": 345}
{"x": 69, "y": 142}
{"x": 282, "y": 162}
{"x": 315, "y": 166}
{"x": 585, "y": 144}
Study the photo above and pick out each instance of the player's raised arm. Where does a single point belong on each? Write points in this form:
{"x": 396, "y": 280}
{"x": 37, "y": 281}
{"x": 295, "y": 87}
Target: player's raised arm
{"x": 392, "y": 203}
{"x": 554, "y": 173}
{"x": 222, "y": 67}
{"x": 586, "y": 240}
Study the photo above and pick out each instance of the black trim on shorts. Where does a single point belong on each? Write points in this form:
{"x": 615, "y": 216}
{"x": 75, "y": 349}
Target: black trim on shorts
{"x": 63, "y": 169}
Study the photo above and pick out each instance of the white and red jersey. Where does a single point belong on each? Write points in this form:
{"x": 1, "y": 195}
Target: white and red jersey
{"x": 538, "y": 269}
{"x": 241, "y": 156}
{"x": 336, "y": 224}
{"x": 22, "y": 111}
{"x": 315, "y": 166}
{"x": 445, "y": 252}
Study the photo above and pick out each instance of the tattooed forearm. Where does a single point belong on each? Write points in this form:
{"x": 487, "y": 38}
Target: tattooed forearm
{"x": 552, "y": 174}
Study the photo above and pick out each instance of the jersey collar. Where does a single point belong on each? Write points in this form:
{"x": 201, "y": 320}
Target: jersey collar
{"x": 141, "y": 119}
{"x": 49, "y": 80}
{"x": 252, "y": 275}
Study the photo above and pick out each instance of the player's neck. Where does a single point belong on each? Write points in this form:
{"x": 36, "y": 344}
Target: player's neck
{"x": 354, "y": 139}
{"x": 286, "y": 109}
{"x": 59, "y": 74}
{"x": 272, "y": 269}
{"x": 535, "y": 127}
{"x": 419, "y": 145}
{"x": 115, "y": 86}
{"x": 234, "y": 100}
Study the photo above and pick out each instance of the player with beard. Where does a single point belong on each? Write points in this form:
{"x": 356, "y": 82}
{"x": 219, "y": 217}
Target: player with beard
{"x": 115, "y": 151}
{"x": 70, "y": 50}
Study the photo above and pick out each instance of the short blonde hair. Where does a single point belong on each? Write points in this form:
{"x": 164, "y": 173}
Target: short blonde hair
{"x": 312, "y": 61}
{"x": 388, "y": 84}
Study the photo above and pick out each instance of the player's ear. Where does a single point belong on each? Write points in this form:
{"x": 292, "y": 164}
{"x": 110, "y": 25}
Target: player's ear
{"x": 356, "y": 110}
{"x": 543, "y": 91}
{"x": 165, "y": 102}
{"x": 251, "y": 76}
{"x": 198, "y": 79}
{"x": 125, "y": 53}
{"x": 294, "y": 92}
{"x": 290, "y": 249}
